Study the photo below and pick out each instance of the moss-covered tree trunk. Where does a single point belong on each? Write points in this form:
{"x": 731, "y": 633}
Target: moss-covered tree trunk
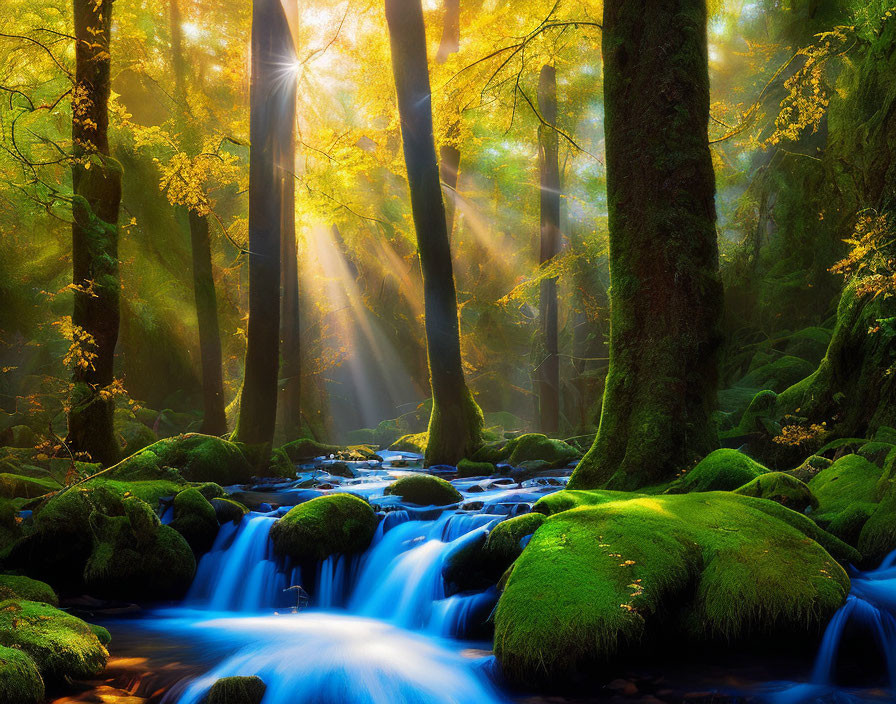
{"x": 455, "y": 426}
{"x": 272, "y": 101}
{"x": 214, "y": 420}
{"x": 666, "y": 296}
{"x": 96, "y": 181}
{"x": 547, "y": 370}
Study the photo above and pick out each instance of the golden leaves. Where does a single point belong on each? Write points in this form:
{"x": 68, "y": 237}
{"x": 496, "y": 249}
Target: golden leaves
{"x": 871, "y": 258}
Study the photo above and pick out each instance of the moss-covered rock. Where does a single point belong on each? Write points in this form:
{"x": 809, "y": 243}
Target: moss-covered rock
{"x": 424, "y": 490}
{"x": 504, "y": 542}
{"x": 811, "y": 466}
{"x": 101, "y": 633}
{"x": 198, "y": 458}
{"x": 60, "y": 645}
{"x": 810, "y": 343}
{"x": 756, "y": 421}
{"x": 878, "y": 536}
{"x": 779, "y": 374}
{"x": 228, "y": 510}
{"x": 595, "y": 581}
{"x": 847, "y": 483}
{"x": 195, "y": 519}
{"x": 722, "y": 470}
{"x": 468, "y": 468}
{"x": 14, "y": 586}
{"x": 414, "y": 442}
{"x": 20, "y": 681}
{"x": 783, "y": 488}
{"x": 339, "y": 469}
{"x": 16, "y": 486}
{"x": 327, "y": 525}
{"x": 566, "y": 500}
{"x": 306, "y": 449}
{"x": 526, "y": 447}
{"x": 237, "y": 690}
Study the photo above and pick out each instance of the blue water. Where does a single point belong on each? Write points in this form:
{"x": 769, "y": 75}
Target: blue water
{"x": 379, "y": 627}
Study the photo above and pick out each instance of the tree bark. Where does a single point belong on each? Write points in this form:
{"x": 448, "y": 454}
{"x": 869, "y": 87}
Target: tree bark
{"x": 547, "y": 373}
{"x": 270, "y": 125}
{"x": 96, "y": 180}
{"x": 214, "y": 421}
{"x": 449, "y": 155}
{"x": 455, "y": 426}
{"x": 666, "y": 295}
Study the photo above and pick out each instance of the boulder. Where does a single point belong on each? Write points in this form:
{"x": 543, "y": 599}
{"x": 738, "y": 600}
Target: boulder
{"x": 722, "y": 470}
{"x": 783, "y": 488}
{"x": 237, "y": 690}
{"x": 14, "y": 586}
{"x": 424, "y": 490}
{"x": 195, "y": 519}
{"x": 20, "y": 680}
{"x": 327, "y": 525}
{"x": 526, "y": 447}
{"x": 468, "y": 468}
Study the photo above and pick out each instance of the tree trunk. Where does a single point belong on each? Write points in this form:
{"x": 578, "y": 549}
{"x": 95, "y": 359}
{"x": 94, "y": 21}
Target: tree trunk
{"x": 455, "y": 426}
{"x": 547, "y": 373}
{"x": 272, "y": 102}
{"x": 214, "y": 421}
{"x": 96, "y": 181}
{"x": 666, "y": 295}
{"x": 449, "y": 155}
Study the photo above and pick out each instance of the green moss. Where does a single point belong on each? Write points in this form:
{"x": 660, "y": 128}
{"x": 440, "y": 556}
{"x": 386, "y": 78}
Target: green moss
{"x": 878, "y": 536}
{"x": 455, "y": 426}
{"x": 20, "y": 681}
{"x": 211, "y": 490}
{"x": 781, "y": 488}
{"x": 503, "y": 543}
{"x": 14, "y": 486}
{"x": 228, "y": 510}
{"x": 722, "y": 470}
{"x": 778, "y": 375}
{"x": 811, "y": 466}
{"x": 134, "y": 436}
{"x": 424, "y": 490}
{"x": 195, "y": 519}
{"x": 849, "y": 481}
{"x": 468, "y": 468}
{"x": 197, "y": 458}
{"x": 528, "y": 447}
{"x": 307, "y": 449}
{"x": 415, "y": 442}
{"x": 237, "y": 690}
{"x": 102, "y": 634}
{"x": 847, "y": 524}
{"x": 327, "y": 525}
{"x": 595, "y": 580}
{"x": 61, "y": 645}
{"x": 13, "y": 586}
{"x": 566, "y": 500}
{"x": 809, "y": 343}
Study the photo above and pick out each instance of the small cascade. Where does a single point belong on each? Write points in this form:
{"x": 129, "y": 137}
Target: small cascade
{"x": 456, "y": 616}
{"x": 870, "y": 609}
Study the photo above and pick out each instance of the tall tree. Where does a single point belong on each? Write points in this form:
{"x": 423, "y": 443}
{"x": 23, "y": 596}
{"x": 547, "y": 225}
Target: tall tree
{"x": 272, "y": 102}
{"x": 547, "y": 373}
{"x": 96, "y": 180}
{"x": 214, "y": 421}
{"x": 449, "y": 154}
{"x": 666, "y": 295}
{"x": 455, "y": 426}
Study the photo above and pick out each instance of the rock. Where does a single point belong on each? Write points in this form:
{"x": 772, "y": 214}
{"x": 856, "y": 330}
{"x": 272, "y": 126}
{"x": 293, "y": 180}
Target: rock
{"x": 782, "y": 488}
{"x": 228, "y": 510}
{"x": 415, "y": 442}
{"x": 779, "y": 374}
{"x": 468, "y": 468}
{"x": 60, "y": 645}
{"x": 425, "y": 490}
{"x": 811, "y": 466}
{"x": 504, "y": 543}
{"x": 13, "y": 586}
{"x": 339, "y": 469}
{"x": 20, "y": 680}
{"x": 15, "y": 486}
{"x": 846, "y": 492}
{"x": 327, "y": 525}
{"x": 237, "y": 690}
{"x": 198, "y": 458}
{"x": 196, "y": 520}
{"x": 527, "y": 447}
{"x": 132, "y": 434}
{"x": 593, "y": 583}
{"x": 878, "y": 536}
{"x": 722, "y": 470}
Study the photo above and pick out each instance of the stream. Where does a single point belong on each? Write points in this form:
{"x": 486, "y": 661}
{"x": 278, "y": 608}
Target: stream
{"x": 384, "y": 627}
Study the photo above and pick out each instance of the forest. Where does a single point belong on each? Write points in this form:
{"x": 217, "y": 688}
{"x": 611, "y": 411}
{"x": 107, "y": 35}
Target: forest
{"x": 447, "y": 351}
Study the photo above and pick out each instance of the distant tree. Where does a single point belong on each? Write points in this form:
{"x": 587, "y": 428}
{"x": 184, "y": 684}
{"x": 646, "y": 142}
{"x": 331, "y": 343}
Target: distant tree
{"x": 455, "y": 426}
{"x": 547, "y": 372}
{"x": 96, "y": 180}
{"x": 272, "y": 100}
{"x": 214, "y": 421}
{"x": 665, "y": 295}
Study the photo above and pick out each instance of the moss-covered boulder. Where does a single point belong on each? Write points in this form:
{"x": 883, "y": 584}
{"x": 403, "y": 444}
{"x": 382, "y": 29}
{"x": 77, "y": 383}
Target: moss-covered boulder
{"x": 20, "y": 680}
{"x": 758, "y": 420}
{"x": 195, "y": 519}
{"x": 783, "y": 488}
{"x": 846, "y": 489}
{"x": 598, "y": 582}
{"x": 526, "y": 447}
{"x": 15, "y": 586}
{"x": 91, "y": 537}
{"x": 228, "y": 510}
{"x": 811, "y": 466}
{"x": 15, "y": 486}
{"x": 504, "y": 542}
{"x": 60, "y": 645}
{"x": 414, "y": 442}
{"x": 424, "y": 490}
{"x": 722, "y": 470}
{"x": 573, "y": 498}
{"x": 779, "y": 374}
{"x": 198, "y": 458}
{"x": 878, "y": 535}
{"x": 237, "y": 690}
{"x": 327, "y": 525}
{"x": 468, "y": 468}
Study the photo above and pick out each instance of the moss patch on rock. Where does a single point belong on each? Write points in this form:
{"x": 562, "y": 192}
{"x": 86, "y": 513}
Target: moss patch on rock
{"x": 195, "y": 519}
{"x": 413, "y": 442}
{"x": 846, "y": 489}
{"x": 20, "y": 680}
{"x": 198, "y": 458}
{"x": 424, "y": 490}
{"x": 237, "y": 690}
{"x": 503, "y": 544}
{"x": 468, "y": 468}
{"x": 14, "y": 586}
{"x": 15, "y": 486}
{"x": 61, "y": 645}
{"x": 327, "y": 525}
{"x": 712, "y": 566}
{"x": 782, "y": 488}
{"x": 527, "y": 447}
{"x": 878, "y": 535}
{"x": 722, "y": 470}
